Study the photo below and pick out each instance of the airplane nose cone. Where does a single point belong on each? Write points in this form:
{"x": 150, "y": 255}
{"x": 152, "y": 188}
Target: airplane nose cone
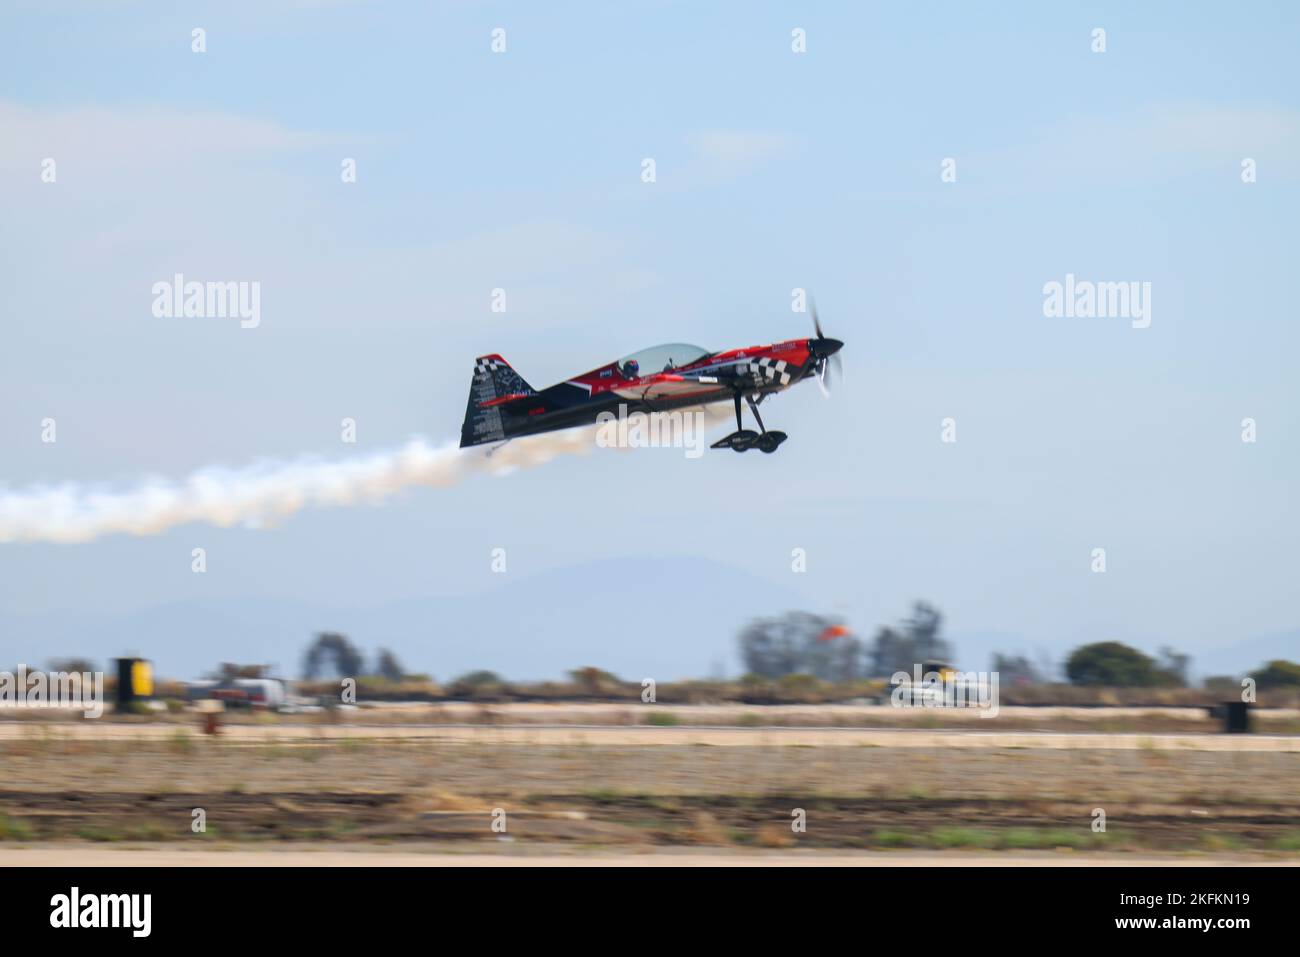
{"x": 822, "y": 348}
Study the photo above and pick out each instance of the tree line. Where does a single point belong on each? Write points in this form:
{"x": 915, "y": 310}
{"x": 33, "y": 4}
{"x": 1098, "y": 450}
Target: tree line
{"x": 800, "y": 642}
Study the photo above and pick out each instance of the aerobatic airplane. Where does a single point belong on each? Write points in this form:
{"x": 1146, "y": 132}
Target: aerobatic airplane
{"x": 503, "y": 406}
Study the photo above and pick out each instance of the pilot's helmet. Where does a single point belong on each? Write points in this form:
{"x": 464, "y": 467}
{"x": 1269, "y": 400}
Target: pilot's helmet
{"x": 631, "y": 368}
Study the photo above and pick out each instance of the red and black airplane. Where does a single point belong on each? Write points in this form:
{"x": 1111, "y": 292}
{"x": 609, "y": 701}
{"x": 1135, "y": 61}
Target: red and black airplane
{"x": 503, "y": 406}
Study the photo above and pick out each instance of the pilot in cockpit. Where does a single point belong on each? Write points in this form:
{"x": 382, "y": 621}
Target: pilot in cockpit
{"x": 631, "y": 369}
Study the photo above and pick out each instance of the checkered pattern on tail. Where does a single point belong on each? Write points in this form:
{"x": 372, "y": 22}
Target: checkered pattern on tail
{"x": 504, "y": 380}
{"x": 493, "y": 379}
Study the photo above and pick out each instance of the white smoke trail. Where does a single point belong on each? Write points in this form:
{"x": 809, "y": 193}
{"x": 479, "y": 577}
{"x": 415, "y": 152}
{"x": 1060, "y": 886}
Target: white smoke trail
{"x": 262, "y": 493}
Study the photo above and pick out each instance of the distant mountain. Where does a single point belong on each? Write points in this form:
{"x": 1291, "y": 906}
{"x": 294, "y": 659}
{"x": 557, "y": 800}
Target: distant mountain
{"x": 663, "y": 619}
{"x": 637, "y": 617}
{"x": 1248, "y": 655}
{"x": 974, "y": 651}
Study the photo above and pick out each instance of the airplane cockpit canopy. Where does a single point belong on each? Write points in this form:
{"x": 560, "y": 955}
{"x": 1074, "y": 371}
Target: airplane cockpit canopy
{"x": 663, "y": 358}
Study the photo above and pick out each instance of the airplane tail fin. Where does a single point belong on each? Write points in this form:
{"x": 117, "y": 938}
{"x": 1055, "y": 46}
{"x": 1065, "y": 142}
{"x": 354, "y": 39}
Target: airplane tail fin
{"x": 494, "y": 383}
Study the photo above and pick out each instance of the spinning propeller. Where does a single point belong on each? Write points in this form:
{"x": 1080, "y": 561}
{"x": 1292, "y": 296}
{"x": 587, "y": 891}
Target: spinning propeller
{"x": 827, "y": 353}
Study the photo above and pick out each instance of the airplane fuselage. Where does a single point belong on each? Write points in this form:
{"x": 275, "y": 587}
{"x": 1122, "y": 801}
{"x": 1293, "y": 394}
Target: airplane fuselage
{"x": 503, "y": 406}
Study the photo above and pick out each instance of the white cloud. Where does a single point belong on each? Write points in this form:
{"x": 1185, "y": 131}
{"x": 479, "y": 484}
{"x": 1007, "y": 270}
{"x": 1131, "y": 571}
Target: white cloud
{"x": 1159, "y": 142}
{"x": 742, "y": 149}
{"x": 144, "y": 193}
{"x": 145, "y": 139}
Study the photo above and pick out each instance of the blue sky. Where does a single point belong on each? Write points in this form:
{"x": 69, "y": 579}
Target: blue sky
{"x": 775, "y": 170}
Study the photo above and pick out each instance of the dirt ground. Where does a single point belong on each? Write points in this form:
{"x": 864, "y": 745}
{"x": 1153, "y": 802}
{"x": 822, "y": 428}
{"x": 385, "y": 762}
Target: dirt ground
{"x": 484, "y": 789}
{"x": 293, "y": 733}
{"x": 367, "y": 855}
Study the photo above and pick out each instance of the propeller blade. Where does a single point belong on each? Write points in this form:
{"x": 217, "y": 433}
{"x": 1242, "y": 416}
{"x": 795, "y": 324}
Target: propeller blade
{"x": 824, "y": 350}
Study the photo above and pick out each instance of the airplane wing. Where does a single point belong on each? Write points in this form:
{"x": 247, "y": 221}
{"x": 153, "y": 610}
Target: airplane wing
{"x": 676, "y": 384}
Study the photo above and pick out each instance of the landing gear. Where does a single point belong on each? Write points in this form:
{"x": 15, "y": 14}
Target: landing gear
{"x": 742, "y": 440}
